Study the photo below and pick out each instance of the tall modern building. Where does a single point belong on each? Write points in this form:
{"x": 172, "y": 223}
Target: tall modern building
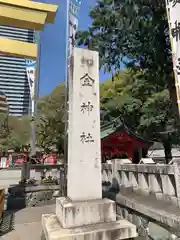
{"x": 13, "y": 78}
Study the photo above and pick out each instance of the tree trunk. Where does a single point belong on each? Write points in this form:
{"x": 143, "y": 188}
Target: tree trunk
{"x": 135, "y": 158}
{"x": 144, "y": 152}
{"x": 173, "y": 96}
{"x": 167, "y": 150}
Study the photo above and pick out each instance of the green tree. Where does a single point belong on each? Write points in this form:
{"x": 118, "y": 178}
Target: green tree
{"x": 19, "y": 137}
{"x": 126, "y": 99}
{"x": 135, "y": 33}
{"x": 157, "y": 123}
{"x": 4, "y": 131}
{"x": 50, "y": 122}
{"x": 14, "y": 133}
{"x": 145, "y": 111}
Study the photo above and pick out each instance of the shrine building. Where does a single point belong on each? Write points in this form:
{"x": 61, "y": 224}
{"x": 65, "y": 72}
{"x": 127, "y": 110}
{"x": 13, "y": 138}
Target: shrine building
{"x": 118, "y": 141}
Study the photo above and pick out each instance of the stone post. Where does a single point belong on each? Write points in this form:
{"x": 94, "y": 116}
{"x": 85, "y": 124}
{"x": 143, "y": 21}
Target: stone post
{"x": 176, "y": 163}
{"x": 25, "y": 171}
{"x": 85, "y": 133}
{"x": 115, "y": 175}
{"x": 83, "y": 214}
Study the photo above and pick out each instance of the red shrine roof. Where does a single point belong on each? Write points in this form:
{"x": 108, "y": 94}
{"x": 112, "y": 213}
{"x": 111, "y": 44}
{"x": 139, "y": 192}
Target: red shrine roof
{"x": 117, "y": 139}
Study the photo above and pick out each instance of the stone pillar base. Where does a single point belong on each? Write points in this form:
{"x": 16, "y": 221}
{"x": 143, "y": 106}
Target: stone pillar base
{"x": 121, "y": 229}
{"x": 86, "y": 220}
{"x": 80, "y": 213}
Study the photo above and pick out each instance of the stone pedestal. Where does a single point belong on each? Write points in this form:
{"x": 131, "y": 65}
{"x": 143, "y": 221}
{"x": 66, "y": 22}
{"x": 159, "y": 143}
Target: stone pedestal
{"x": 120, "y": 229}
{"x": 75, "y": 214}
{"x": 86, "y": 220}
{"x": 84, "y": 215}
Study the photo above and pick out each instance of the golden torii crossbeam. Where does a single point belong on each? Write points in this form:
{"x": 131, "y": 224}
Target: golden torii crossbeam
{"x": 18, "y": 48}
{"x": 28, "y": 15}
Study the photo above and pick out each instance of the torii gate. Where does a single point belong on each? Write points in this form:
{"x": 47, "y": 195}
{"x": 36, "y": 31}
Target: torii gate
{"x": 29, "y": 15}
{"x": 24, "y": 14}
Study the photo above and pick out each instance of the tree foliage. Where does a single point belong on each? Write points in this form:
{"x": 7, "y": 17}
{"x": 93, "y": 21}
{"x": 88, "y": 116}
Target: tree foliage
{"x": 133, "y": 32}
{"x": 50, "y": 121}
{"x": 145, "y": 111}
{"x": 136, "y": 33}
{"x": 14, "y": 133}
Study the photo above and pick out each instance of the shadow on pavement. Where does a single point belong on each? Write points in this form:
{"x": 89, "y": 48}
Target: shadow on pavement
{"x": 7, "y": 224}
{"x": 15, "y": 201}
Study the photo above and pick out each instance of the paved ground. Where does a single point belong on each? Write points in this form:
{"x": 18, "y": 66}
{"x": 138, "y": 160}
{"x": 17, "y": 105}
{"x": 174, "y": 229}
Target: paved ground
{"x": 24, "y": 224}
{"x": 8, "y": 177}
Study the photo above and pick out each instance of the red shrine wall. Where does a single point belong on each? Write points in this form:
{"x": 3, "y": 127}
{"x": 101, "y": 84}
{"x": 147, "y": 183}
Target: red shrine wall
{"x": 121, "y": 143}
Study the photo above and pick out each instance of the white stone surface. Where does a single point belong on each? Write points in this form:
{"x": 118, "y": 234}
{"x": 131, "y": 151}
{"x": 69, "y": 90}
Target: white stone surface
{"x": 176, "y": 162}
{"x": 154, "y": 183}
{"x": 120, "y": 229}
{"x": 146, "y": 161}
{"x": 74, "y": 214}
{"x": 84, "y": 155}
{"x": 123, "y": 161}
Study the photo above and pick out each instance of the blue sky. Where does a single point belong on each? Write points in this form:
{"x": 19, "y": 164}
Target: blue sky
{"x": 53, "y": 42}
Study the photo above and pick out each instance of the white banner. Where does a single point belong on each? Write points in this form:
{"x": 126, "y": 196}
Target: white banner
{"x": 73, "y": 10}
{"x": 3, "y": 162}
{"x": 31, "y": 68}
{"x": 74, "y": 6}
{"x": 31, "y": 74}
{"x": 173, "y": 11}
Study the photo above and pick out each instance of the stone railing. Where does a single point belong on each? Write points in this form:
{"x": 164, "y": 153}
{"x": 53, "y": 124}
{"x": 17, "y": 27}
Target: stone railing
{"x": 161, "y": 180}
{"x": 39, "y": 170}
{"x": 36, "y": 193}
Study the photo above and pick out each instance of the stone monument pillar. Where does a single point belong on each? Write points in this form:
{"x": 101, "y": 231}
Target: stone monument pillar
{"x": 83, "y": 214}
{"x": 84, "y": 162}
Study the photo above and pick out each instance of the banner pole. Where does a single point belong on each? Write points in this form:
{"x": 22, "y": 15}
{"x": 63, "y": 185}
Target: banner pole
{"x": 64, "y": 186}
{"x": 73, "y": 7}
{"x": 34, "y": 97}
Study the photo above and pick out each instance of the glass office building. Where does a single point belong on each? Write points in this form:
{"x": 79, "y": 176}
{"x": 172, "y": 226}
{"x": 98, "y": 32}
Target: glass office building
{"x": 13, "y": 78}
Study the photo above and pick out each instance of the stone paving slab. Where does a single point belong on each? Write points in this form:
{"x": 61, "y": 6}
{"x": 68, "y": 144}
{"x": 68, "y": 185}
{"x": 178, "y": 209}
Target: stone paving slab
{"x": 26, "y": 223}
{"x": 29, "y": 231}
